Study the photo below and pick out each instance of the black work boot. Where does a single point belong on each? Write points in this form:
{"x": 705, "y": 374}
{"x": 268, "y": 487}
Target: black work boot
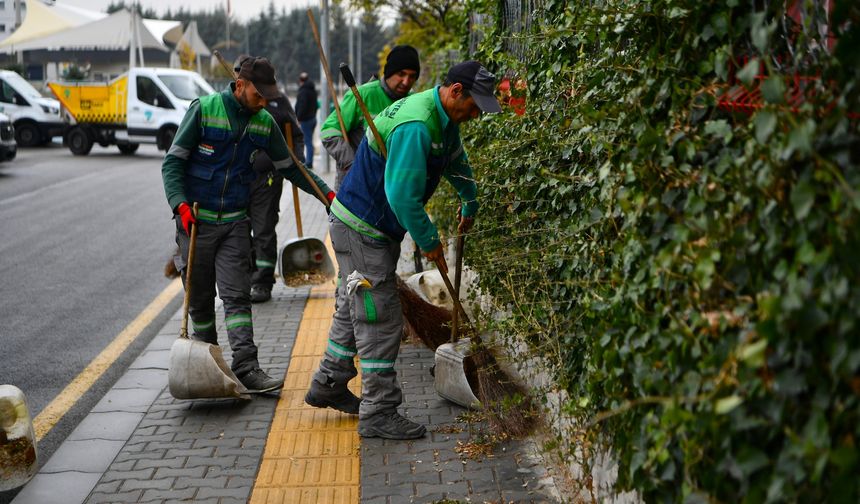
{"x": 336, "y": 397}
{"x": 257, "y": 381}
{"x": 261, "y": 293}
{"x": 390, "y": 425}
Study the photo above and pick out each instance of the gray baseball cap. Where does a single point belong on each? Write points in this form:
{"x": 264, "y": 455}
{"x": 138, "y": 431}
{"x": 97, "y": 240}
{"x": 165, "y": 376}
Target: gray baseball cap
{"x": 479, "y": 82}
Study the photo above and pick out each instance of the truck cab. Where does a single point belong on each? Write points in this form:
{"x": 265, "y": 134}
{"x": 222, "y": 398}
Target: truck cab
{"x": 144, "y": 105}
{"x": 157, "y": 101}
{"x": 35, "y": 117}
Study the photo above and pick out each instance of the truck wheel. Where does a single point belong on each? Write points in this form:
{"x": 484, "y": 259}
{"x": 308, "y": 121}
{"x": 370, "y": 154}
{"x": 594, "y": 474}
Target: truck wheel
{"x": 79, "y": 141}
{"x": 27, "y": 135}
{"x": 129, "y": 148}
{"x": 165, "y": 137}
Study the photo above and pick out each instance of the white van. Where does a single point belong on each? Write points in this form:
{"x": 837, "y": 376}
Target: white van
{"x": 35, "y": 117}
{"x": 144, "y": 105}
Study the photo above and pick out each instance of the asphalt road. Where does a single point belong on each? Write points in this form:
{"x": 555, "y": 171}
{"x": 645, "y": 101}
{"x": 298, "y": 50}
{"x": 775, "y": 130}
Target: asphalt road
{"x": 83, "y": 243}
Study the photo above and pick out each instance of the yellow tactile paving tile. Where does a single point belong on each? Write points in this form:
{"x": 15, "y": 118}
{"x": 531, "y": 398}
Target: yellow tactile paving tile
{"x": 312, "y": 454}
{"x": 334, "y": 495}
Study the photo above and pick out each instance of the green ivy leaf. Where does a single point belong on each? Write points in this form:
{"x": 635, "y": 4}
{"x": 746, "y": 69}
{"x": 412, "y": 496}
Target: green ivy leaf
{"x": 727, "y": 404}
{"x": 753, "y": 353}
{"x": 749, "y": 71}
{"x": 720, "y": 129}
{"x": 802, "y": 199}
{"x": 800, "y": 138}
{"x": 773, "y": 89}
{"x": 765, "y": 123}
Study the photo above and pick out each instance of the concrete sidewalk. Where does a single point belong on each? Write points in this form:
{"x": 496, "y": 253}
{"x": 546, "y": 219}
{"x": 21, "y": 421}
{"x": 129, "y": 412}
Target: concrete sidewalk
{"x": 139, "y": 444}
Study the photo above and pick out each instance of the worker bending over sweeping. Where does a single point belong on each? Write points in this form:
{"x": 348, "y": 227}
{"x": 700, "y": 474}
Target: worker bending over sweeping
{"x": 210, "y": 162}
{"x": 378, "y": 202}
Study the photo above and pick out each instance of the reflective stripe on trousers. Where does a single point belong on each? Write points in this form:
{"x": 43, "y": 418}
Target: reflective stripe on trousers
{"x": 368, "y": 322}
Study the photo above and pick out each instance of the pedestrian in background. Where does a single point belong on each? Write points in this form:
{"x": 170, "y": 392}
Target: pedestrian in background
{"x": 265, "y": 203}
{"x": 306, "y": 112}
{"x": 402, "y": 69}
{"x": 379, "y": 202}
{"x": 210, "y": 162}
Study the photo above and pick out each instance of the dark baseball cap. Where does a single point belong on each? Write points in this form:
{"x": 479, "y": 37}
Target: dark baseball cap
{"x": 479, "y": 82}
{"x": 261, "y": 74}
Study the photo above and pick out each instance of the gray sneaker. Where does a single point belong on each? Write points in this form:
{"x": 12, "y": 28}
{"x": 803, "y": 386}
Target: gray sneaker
{"x": 390, "y": 425}
{"x": 257, "y": 381}
{"x": 337, "y": 397}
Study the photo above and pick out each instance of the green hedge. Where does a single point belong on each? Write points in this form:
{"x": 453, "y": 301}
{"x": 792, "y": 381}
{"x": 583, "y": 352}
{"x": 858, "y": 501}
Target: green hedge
{"x": 692, "y": 275}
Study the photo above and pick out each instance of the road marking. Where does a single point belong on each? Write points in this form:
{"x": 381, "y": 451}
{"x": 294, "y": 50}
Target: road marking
{"x": 53, "y": 412}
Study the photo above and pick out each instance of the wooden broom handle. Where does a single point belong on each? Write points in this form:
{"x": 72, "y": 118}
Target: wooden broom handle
{"x": 192, "y": 244}
{"x": 288, "y": 127}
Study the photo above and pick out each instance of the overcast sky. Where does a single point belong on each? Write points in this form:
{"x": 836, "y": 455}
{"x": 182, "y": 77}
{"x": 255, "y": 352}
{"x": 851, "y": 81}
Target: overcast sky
{"x": 242, "y": 9}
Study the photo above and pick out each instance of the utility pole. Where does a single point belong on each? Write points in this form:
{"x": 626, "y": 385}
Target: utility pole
{"x": 324, "y": 97}
{"x": 358, "y": 54}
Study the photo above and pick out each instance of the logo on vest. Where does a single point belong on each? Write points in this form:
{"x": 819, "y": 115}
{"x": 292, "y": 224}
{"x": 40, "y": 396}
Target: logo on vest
{"x": 205, "y": 149}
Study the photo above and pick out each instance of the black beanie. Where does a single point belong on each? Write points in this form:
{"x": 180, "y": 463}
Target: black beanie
{"x": 402, "y": 57}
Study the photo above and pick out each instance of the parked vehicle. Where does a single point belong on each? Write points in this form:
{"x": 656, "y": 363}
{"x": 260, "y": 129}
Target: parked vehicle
{"x": 8, "y": 147}
{"x": 36, "y": 118}
{"x": 144, "y": 105}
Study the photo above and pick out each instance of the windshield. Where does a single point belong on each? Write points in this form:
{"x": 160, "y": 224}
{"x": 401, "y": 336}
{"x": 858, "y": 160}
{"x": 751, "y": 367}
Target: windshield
{"x": 186, "y": 87}
{"x": 23, "y": 87}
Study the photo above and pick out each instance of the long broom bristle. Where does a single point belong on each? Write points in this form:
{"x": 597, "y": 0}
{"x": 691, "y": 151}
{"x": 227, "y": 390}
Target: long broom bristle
{"x": 431, "y": 323}
{"x": 507, "y": 405}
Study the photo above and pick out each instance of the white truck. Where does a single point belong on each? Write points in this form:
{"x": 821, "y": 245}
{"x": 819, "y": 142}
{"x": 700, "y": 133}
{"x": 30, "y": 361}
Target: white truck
{"x": 36, "y": 118}
{"x": 144, "y": 105}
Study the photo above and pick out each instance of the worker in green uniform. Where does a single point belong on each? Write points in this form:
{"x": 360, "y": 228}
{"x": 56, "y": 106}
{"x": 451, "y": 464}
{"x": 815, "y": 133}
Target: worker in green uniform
{"x": 211, "y": 162}
{"x": 402, "y": 69}
{"x": 379, "y": 202}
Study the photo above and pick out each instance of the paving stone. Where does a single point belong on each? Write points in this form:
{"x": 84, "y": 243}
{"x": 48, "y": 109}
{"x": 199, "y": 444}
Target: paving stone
{"x": 170, "y": 472}
{"x": 112, "y": 475}
{"x": 115, "y": 498}
{"x": 133, "y": 484}
{"x": 186, "y": 494}
{"x": 236, "y": 493}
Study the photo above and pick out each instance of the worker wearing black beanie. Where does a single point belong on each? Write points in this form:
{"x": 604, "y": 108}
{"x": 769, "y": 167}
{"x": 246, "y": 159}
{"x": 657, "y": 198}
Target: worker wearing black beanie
{"x": 400, "y": 72}
{"x": 402, "y": 57}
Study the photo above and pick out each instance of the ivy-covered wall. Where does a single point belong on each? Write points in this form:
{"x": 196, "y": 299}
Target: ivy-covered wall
{"x": 690, "y": 271}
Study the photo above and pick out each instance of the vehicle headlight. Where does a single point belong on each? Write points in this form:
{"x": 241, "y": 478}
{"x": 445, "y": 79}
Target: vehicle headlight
{"x": 46, "y": 109}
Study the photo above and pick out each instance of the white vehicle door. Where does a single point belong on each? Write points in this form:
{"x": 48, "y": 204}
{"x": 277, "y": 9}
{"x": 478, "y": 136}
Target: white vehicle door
{"x": 11, "y": 102}
{"x": 147, "y": 104}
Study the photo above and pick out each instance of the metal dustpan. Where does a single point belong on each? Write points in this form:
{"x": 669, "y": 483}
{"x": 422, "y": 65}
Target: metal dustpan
{"x": 454, "y": 376}
{"x": 197, "y": 370}
{"x": 304, "y": 255}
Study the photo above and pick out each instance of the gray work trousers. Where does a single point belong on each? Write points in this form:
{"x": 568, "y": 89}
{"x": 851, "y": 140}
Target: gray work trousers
{"x": 222, "y": 257}
{"x": 368, "y": 321}
{"x": 263, "y": 211}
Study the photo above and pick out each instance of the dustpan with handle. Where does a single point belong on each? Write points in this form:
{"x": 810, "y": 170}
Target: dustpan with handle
{"x": 452, "y": 378}
{"x": 196, "y": 369}
{"x": 300, "y": 254}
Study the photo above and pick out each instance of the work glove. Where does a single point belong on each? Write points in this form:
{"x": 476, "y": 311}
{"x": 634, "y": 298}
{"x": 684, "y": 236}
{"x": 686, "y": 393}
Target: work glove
{"x": 187, "y": 217}
{"x": 330, "y": 197}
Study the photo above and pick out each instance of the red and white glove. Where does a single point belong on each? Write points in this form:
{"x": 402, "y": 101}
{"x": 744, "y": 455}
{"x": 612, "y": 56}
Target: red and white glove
{"x": 187, "y": 217}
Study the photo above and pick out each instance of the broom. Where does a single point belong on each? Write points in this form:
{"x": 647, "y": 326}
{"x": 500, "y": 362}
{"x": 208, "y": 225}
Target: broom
{"x": 507, "y": 404}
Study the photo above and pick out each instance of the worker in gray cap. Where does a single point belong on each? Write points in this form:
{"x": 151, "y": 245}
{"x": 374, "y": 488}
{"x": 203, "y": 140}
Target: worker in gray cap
{"x": 210, "y": 163}
{"x": 380, "y": 200}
